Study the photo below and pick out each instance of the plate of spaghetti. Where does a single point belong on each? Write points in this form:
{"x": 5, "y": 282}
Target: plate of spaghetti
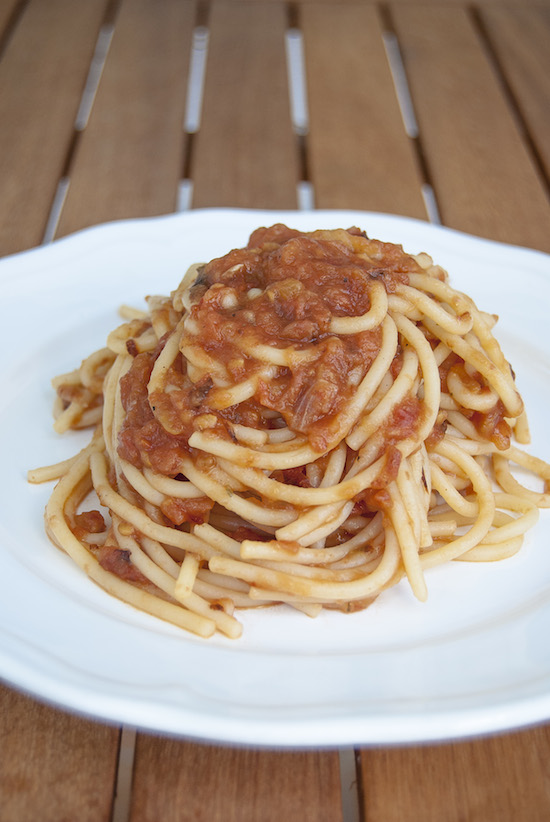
{"x": 279, "y": 478}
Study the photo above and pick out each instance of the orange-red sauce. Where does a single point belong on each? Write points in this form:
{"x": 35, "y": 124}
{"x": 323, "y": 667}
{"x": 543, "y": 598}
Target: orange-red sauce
{"x": 281, "y": 290}
{"x": 299, "y": 282}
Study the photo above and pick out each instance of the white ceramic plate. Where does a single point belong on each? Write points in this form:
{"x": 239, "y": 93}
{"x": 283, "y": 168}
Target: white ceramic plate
{"x": 472, "y": 660}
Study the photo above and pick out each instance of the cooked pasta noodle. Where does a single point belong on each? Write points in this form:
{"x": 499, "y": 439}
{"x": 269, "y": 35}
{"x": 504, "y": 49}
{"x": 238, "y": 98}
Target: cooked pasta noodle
{"x": 306, "y": 420}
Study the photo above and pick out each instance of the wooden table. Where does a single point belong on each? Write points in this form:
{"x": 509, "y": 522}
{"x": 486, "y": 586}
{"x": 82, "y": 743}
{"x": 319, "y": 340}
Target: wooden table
{"x": 435, "y": 110}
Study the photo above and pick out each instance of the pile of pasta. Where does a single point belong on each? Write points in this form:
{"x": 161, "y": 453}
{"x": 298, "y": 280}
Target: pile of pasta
{"x": 304, "y": 421}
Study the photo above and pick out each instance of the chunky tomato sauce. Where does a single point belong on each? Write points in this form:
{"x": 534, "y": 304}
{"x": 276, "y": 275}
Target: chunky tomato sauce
{"x": 281, "y": 291}
{"x": 490, "y": 424}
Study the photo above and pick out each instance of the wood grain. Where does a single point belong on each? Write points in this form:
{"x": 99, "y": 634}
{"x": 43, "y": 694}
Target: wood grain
{"x": 521, "y": 40}
{"x": 8, "y": 10}
{"x": 504, "y": 778}
{"x": 246, "y": 153}
{"x": 54, "y": 767}
{"x": 483, "y": 173}
{"x": 129, "y": 160}
{"x": 42, "y": 76}
{"x": 358, "y": 152}
{"x": 199, "y": 783}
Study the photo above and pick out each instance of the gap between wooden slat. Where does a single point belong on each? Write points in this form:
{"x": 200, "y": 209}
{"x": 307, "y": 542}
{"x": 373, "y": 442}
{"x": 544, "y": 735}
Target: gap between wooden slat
{"x": 81, "y": 120}
{"x": 305, "y": 195}
{"x": 88, "y": 96}
{"x": 193, "y": 108}
{"x": 406, "y": 106}
{"x": 55, "y": 210}
{"x": 349, "y": 785}
{"x": 393, "y": 53}
{"x": 294, "y": 46}
{"x": 408, "y": 114}
{"x": 195, "y": 83}
{"x": 124, "y": 777}
{"x": 97, "y": 64}
{"x": 94, "y": 75}
{"x": 430, "y": 202}
{"x": 297, "y": 90}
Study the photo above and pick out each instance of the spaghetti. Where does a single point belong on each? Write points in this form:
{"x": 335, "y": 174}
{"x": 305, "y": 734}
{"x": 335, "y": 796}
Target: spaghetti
{"x": 306, "y": 420}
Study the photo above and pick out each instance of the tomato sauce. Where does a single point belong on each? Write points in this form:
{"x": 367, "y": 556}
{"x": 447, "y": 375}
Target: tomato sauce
{"x": 280, "y": 291}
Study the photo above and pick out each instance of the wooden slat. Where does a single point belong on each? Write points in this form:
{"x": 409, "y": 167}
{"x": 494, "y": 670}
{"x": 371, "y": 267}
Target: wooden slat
{"x": 245, "y": 153}
{"x": 359, "y": 154}
{"x": 483, "y": 174}
{"x": 199, "y": 783}
{"x": 500, "y": 779}
{"x": 130, "y": 157}
{"x": 521, "y": 39}
{"x": 53, "y": 766}
{"x": 42, "y": 76}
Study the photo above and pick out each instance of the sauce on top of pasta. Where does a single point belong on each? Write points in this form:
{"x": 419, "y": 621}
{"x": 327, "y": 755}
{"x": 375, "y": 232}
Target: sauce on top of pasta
{"x": 281, "y": 290}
